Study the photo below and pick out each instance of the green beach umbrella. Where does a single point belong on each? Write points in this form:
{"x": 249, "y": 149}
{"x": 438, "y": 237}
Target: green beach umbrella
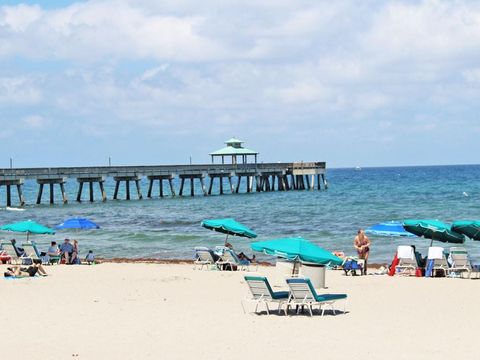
{"x": 297, "y": 249}
{"x": 434, "y": 230}
{"x": 470, "y": 228}
{"x": 229, "y": 227}
{"x": 29, "y": 227}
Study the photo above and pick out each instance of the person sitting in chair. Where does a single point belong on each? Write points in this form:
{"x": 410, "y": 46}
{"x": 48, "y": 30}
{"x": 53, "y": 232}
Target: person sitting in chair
{"x": 241, "y": 256}
{"x": 66, "y": 249}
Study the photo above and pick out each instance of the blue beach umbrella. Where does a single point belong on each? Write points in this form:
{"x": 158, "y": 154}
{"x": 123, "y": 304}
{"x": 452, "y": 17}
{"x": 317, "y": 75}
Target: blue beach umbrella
{"x": 297, "y": 249}
{"x": 77, "y": 223}
{"x": 389, "y": 229}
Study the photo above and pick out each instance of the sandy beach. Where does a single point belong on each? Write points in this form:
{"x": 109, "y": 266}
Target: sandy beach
{"x": 151, "y": 311}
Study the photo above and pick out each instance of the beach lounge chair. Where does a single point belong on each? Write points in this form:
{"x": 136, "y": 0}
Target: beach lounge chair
{"x": 230, "y": 260}
{"x": 459, "y": 261}
{"x": 32, "y": 252}
{"x": 261, "y": 292}
{"x": 436, "y": 261}
{"x": 407, "y": 261}
{"x": 10, "y": 250}
{"x": 302, "y": 293}
{"x": 203, "y": 257}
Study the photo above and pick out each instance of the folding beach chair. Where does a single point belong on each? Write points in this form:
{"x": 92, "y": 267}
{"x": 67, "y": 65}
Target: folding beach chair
{"x": 407, "y": 261}
{"x": 436, "y": 261}
{"x": 32, "y": 252}
{"x": 230, "y": 260}
{"x": 302, "y": 293}
{"x": 203, "y": 257}
{"x": 460, "y": 262}
{"x": 10, "y": 250}
{"x": 350, "y": 266}
{"x": 261, "y": 292}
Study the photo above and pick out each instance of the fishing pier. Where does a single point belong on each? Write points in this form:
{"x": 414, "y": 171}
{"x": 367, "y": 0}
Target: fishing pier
{"x": 257, "y": 177}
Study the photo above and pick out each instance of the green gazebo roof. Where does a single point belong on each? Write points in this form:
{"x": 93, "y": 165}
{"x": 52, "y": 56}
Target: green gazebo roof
{"x": 230, "y": 150}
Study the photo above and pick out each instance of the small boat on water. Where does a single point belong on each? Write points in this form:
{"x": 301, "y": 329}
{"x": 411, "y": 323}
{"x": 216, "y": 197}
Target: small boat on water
{"x": 358, "y": 168}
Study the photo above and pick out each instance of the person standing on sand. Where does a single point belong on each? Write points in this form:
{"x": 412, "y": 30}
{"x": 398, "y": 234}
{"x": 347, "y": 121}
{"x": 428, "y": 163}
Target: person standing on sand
{"x": 362, "y": 244}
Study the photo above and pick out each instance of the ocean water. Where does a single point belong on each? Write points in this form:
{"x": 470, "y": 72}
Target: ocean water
{"x": 169, "y": 228}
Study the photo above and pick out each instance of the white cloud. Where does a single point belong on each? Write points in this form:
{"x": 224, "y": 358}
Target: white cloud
{"x": 19, "y": 90}
{"x": 35, "y": 121}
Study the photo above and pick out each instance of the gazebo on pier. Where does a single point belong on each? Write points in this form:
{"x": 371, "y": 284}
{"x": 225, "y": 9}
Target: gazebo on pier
{"x": 235, "y": 150}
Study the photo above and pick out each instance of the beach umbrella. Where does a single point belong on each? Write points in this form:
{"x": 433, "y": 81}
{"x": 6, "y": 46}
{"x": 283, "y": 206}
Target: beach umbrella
{"x": 77, "y": 223}
{"x": 434, "y": 230}
{"x": 29, "y": 227}
{"x": 229, "y": 227}
{"x": 470, "y": 228}
{"x": 389, "y": 229}
{"x": 297, "y": 249}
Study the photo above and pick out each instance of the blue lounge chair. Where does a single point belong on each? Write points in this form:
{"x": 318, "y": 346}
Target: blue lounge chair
{"x": 261, "y": 292}
{"x": 303, "y": 293}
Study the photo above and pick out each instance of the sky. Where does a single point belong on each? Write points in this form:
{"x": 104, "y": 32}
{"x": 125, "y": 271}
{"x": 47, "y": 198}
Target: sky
{"x": 370, "y": 83}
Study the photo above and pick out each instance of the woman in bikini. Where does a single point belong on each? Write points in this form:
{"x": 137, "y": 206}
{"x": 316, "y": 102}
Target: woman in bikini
{"x": 362, "y": 244}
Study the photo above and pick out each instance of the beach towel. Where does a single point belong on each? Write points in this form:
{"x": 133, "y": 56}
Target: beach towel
{"x": 405, "y": 252}
{"x": 393, "y": 265}
{"x": 429, "y": 268}
{"x": 435, "y": 252}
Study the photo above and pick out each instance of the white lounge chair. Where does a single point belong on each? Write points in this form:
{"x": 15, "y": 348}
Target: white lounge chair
{"x": 230, "y": 259}
{"x": 261, "y": 292}
{"x": 437, "y": 255}
{"x": 203, "y": 257}
{"x": 407, "y": 261}
{"x": 302, "y": 293}
{"x": 460, "y": 263}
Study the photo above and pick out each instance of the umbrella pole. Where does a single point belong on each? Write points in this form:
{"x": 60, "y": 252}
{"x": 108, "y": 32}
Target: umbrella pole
{"x": 226, "y": 240}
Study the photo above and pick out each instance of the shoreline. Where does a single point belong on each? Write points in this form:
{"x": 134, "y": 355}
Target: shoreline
{"x": 125, "y": 260}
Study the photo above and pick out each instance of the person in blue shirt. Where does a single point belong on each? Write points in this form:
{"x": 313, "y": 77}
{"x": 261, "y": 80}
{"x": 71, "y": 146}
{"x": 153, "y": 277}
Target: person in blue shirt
{"x": 66, "y": 249}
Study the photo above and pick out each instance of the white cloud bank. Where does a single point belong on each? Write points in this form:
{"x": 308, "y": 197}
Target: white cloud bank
{"x": 310, "y": 72}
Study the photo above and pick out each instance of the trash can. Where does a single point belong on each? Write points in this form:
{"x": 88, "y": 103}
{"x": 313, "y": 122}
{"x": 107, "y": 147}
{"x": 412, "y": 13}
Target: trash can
{"x": 316, "y": 273}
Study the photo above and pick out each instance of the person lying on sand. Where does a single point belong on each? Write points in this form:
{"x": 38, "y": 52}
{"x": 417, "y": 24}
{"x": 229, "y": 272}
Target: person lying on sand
{"x": 31, "y": 271}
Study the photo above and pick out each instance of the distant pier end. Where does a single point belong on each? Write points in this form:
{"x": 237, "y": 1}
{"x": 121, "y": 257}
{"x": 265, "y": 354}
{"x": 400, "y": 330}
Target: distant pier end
{"x": 258, "y": 177}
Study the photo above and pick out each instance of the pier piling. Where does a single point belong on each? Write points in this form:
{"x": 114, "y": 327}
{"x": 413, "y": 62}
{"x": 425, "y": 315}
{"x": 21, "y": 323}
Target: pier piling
{"x": 51, "y": 182}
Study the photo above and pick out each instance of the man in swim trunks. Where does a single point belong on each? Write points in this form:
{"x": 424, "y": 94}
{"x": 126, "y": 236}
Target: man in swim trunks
{"x": 362, "y": 244}
{"x": 66, "y": 249}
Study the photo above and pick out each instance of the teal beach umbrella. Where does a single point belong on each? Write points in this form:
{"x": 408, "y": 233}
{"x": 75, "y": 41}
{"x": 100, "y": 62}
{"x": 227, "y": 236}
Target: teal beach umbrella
{"x": 297, "y": 249}
{"x": 434, "y": 230}
{"x": 29, "y": 227}
{"x": 470, "y": 228}
{"x": 229, "y": 227}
